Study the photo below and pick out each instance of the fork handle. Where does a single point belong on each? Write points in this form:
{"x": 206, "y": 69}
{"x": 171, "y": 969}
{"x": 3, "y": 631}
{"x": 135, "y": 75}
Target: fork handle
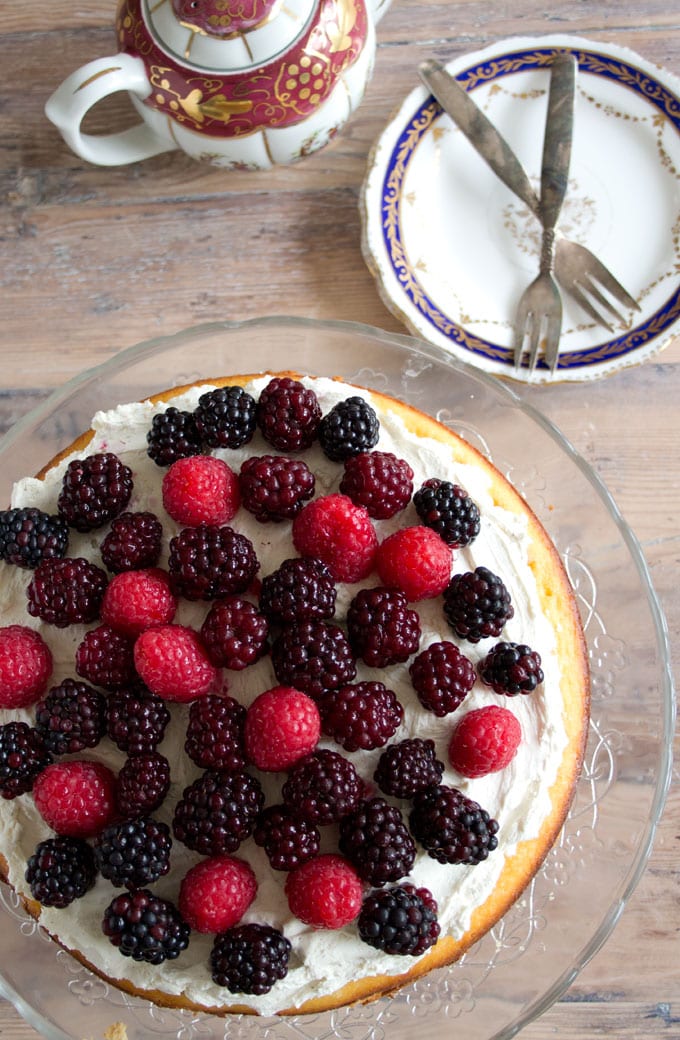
{"x": 558, "y": 136}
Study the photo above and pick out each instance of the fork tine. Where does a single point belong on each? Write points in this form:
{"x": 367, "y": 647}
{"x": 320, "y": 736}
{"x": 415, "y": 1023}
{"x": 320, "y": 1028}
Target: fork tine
{"x": 587, "y": 306}
{"x": 552, "y": 340}
{"x": 591, "y": 287}
{"x": 537, "y": 322}
{"x": 599, "y": 273}
{"x": 522, "y": 327}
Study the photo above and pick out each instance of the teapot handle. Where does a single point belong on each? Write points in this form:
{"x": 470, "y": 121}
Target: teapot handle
{"x": 69, "y": 104}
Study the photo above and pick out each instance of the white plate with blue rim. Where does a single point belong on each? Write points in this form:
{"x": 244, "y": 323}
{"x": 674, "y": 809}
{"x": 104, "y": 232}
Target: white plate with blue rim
{"x": 452, "y": 249}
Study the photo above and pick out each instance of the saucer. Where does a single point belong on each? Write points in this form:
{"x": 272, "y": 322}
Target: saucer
{"x": 452, "y": 249}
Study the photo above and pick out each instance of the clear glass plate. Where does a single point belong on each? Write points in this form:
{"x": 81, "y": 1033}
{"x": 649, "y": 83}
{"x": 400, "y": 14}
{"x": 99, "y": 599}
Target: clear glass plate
{"x": 536, "y": 951}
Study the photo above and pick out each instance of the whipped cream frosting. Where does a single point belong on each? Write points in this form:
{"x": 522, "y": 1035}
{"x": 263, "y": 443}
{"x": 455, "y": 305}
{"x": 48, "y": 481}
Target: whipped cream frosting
{"x": 517, "y": 797}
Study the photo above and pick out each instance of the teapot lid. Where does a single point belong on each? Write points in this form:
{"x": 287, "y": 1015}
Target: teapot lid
{"x": 223, "y": 18}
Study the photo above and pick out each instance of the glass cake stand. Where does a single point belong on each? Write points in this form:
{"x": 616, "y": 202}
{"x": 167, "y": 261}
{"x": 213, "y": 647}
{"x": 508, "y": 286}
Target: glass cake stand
{"x": 536, "y": 951}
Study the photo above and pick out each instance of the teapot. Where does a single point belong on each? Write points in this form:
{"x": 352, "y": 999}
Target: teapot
{"x": 243, "y": 84}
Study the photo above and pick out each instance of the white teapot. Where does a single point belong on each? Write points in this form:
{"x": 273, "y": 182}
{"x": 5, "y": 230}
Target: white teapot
{"x": 244, "y": 84}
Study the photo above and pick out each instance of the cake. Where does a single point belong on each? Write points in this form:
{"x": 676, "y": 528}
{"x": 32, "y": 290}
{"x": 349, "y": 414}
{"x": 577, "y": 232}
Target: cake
{"x": 520, "y": 806}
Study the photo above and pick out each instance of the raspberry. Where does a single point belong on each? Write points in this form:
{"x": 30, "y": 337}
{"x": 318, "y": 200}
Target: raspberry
{"x": 94, "y": 490}
{"x": 145, "y": 927}
{"x": 215, "y": 894}
{"x": 250, "y": 958}
{"x": 451, "y": 827}
{"x": 71, "y": 717}
{"x": 332, "y": 529}
{"x": 173, "y": 435}
{"x": 136, "y": 719}
{"x": 235, "y": 634}
{"x": 133, "y": 543}
{"x": 382, "y": 629}
{"x": 401, "y": 920}
{"x": 28, "y": 536}
{"x": 477, "y": 604}
{"x": 363, "y": 716}
{"x": 274, "y": 488}
{"x": 214, "y": 737}
{"x": 323, "y": 787}
{"x": 105, "y": 657}
{"x": 143, "y": 783}
{"x": 211, "y": 562}
{"x": 378, "y": 481}
{"x": 408, "y": 767}
{"x": 415, "y": 560}
{"x": 324, "y": 892}
{"x": 60, "y": 870}
{"x": 66, "y": 592}
{"x": 448, "y": 510}
{"x": 23, "y": 756}
{"x": 442, "y": 677}
{"x": 484, "y": 741}
{"x": 377, "y": 842}
{"x": 137, "y": 600}
{"x": 225, "y": 417}
{"x": 299, "y": 590}
{"x": 282, "y": 725}
{"x": 173, "y": 663}
{"x": 313, "y": 656}
{"x": 76, "y": 798}
{"x": 25, "y": 666}
{"x": 133, "y": 853}
{"x": 217, "y": 812}
{"x": 288, "y": 839}
{"x": 349, "y": 428}
{"x": 288, "y": 414}
{"x": 511, "y": 668}
{"x": 200, "y": 490}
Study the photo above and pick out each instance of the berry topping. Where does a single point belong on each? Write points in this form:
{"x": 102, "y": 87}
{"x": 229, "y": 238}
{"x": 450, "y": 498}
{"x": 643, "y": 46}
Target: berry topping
{"x": 349, "y": 428}
{"x": 133, "y": 543}
{"x": 28, "y": 536}
{"x": 234, "y": 634}
{"x": 408, "y": 767}
{"x": 287, "y": 839}
{"x": 415, "y": 560}
{"x": 105, "y": 657}
{"x": 134, "y": 853}
{"x": 200, "y": 490}
{"x": 324, "y": 892}
{"x": 25, "y": 666}
{"x": 448, "y": 510}
{"x": 442, "y": 677}
{"x": 145, "y": 927}
{"x": 60, "y": 870}
{"x": 378, "y": 481}
{"x": 173, "y": 435}
{"x": 172, "y": 661}
{"x": 377, "y": 842}
{"x": 211, "y": 562}
{"x": 225, "y": 417}
{"x": 137, "y": 600}
{"x": 250, "y": 958}
{"x": 382, "y": 628}
{"x": 484, "y": 741}
{"x": 71, "y": 717}
{"x": 399, "y": 920}
{"x": 323, "y": 787}
{"x": 313, "y": 656}
{"x": 451, "y": 827}
{"x": 94, "y": 490}
{"x": 274, "y": 488}
{"x": 299, "y": 590}
{"x": 143, "y": 783}
{"x": 23, "y": 756}
{"x": 215, "y": 894}
{"x": 214, "y": 738}
{"x": 136, "y": 719}
{"x": 217, "y": 812}
{"x": 339, "y": 533}
{"x": 288, "y": 414}
{"x": 282, "y": 725}
{"x": 362, "y": 716}
{"x": 77, "y": 798}
{"x": 477, "y": 604}
{"x": 511, "y": 668}
{"x": 66, "y": 592}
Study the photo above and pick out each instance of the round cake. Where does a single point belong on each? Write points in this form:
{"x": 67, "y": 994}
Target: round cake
{"x": 321, "y": 710}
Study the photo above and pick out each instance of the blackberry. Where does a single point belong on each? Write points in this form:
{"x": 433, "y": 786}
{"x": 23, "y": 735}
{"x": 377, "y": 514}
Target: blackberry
{"x": 399, "y": 920}
{"x": 301, "y": 589}
{"x": 106, "y": 658}
{"x": 217, "y": 812}
{"x": 94, "y": 490}
{"x": 23, "y": 756}
{"x": 511, "y": 668}
{"x": 145, "y": 927}
{"x": 451, "y": 827}
{"x": 274, "y": 488}
{"x": 350, "y": 427}
{"x": 382, "y": 628}
{"x": 235, "y": 634}
{"x": 136, "y": 719}
{"x": 66, "y": 592}
{"x": 28, "y": 536}
{"x": 225, "y": 417}
{"x": 133, "y": 853}
{"x": 143, "y": 783}
{"x": 133, "y": 543}
{"x": 442, "y": 677}
{"x": 448, "y": 509}
{"x": 313, "y": 656}
{"x": 477, "y": 604}
{"x": 211, "y": 562}
{"x": 408, "y": 767}
{"x": 71, "y": 717}
{"x": 378, "y": 481}
{"x": 362, "y": 716}
{"x": 323, "y": 787}
{"x": 249, "y": 958}
{"x": 288, "y": 839}
{"x": 214, "y": 736}
{"x": 377, "y": 842}
{"x": 173, "y": 435}
{"x": 60, "y": 870}
{"x": 288, "y": 414}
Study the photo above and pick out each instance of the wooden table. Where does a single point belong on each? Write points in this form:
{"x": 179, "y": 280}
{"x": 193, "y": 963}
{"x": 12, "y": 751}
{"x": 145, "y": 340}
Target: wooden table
{"x": 94, "y": 260}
